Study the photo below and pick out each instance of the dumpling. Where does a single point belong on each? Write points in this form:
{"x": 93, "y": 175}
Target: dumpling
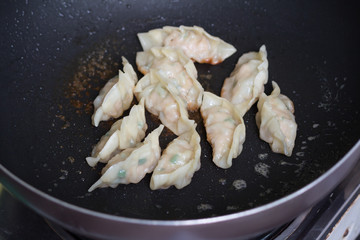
{"x": 246, "y": 83}
{"x": 196, "y": 43}
{"x": 179, "y": 161}
{"x": 124, "y": 133}
{"x": 276, "y": 121}
{"x": 116, "y": 96}
{"x": 132, "y": 164}
{"x": 176, "y": 68}
{"x": 161, "y": 101}
{"x": 225, "y": 129}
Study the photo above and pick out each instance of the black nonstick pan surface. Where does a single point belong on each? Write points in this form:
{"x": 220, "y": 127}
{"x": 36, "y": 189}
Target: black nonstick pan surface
{"x": 56, "y": 55}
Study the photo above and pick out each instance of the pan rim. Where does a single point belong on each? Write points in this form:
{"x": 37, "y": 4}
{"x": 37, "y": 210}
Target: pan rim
{"x": 354, "y": 151}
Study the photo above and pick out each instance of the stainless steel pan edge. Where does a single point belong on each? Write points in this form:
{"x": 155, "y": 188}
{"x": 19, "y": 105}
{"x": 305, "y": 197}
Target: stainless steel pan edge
{"x": 243, "y": 224}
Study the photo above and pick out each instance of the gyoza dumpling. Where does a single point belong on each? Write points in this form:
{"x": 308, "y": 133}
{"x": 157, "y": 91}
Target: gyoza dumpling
{"x": 161, "y": 101}
{"x": 132, "y": 164}
{"x": 176, "y": 68}
{"x": 116, "y": 96}
{"x": 246, "y": 82}
{"x": 225, "y": 129}
{"x": 276, "y": 121}
{"x": 124, "y": 133}
{"x": 179, "y": 161}
{"x": 196, "y": 43}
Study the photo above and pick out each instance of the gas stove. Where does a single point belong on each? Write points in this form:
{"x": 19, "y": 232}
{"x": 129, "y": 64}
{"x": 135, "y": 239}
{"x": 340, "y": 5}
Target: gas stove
{"x": 337, "y": 216}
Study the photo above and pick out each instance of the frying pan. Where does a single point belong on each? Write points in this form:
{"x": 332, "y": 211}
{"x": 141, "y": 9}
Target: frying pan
{"x": 56, "y": 55}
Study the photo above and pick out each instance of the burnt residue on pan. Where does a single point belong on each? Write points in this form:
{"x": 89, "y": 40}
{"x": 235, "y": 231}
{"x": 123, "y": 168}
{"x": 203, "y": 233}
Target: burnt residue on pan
{"x": 91, "y": 71}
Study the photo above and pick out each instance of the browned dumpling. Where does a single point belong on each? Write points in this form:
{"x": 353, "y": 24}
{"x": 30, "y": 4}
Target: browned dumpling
{"x": 176, "y": 68}
{"x": 116, "y": 96}
{"x": 246, "y": 83}
{"x": 276, "y": 121}
{"x": 124, "y": 133}
{"x": 178, "y": 162}
{"x": 225, "y": 128}
{"x": 196, "y": 43}
{"x": 162, "y": 101}
{"x": 132, "y": 164}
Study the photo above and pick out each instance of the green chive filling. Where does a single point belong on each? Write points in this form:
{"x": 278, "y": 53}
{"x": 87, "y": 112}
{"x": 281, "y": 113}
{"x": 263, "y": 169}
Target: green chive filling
{"x": 174, "y": 159}
{"x": 234, "y": 84}
{"x": 122, "y": 173}
{"x": 141, "y": 161}
{"x": 230, "y": 120}
{"x": 162, "y": 92}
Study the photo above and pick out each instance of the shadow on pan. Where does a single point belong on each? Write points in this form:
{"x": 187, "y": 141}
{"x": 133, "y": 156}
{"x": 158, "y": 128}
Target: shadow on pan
{"x": 57, "y": 55}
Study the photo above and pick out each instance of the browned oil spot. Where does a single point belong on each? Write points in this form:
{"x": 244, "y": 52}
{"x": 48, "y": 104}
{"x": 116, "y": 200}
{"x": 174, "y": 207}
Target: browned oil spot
{"x": 61, "y": 117}
{"x": 66, "y": 125}
{"x": 205, "y": 76}
{"x": 89, "y": 108}
{"x": 71, "y": 159}
{"x": 76, "y": 103}
{"x": 196, "y": 116}
{"x": 93, "y": 70}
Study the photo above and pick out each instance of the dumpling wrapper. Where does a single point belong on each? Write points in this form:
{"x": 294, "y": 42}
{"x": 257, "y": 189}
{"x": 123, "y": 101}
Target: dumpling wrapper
{"x": 196, "y": 43}
{"x": 177, "y": 69}
{"x": 225, "y": 129}
{"x": 276, "y": 121}
{"x": 116, "y": 96}
{"x": 132, "y": 164}
{"x": 246, "y": 83}
{"x": 178, "y": 162}
{"x": 162, "y": 101}
{"x": 124, "y": 133}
